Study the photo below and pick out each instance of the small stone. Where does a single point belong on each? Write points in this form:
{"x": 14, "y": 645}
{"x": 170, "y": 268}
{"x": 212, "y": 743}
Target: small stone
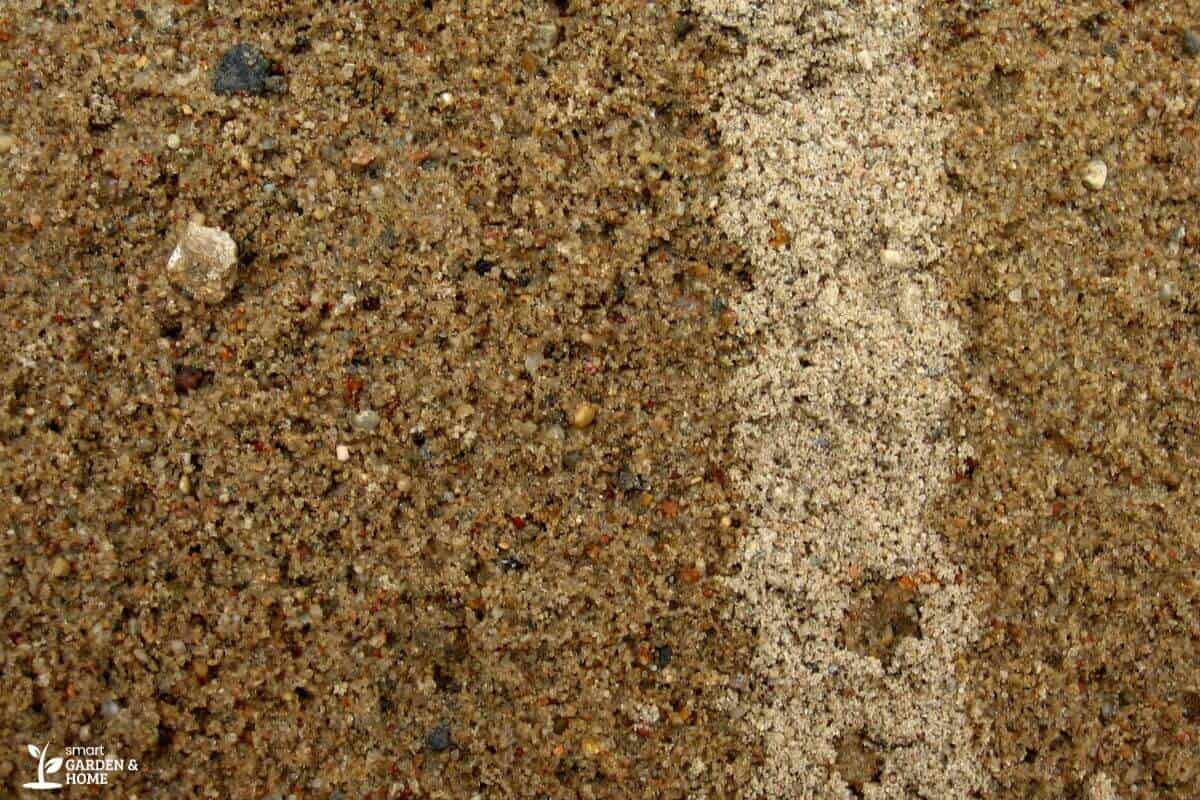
{"x": 243, "y": 68}
{"x": 591, "y": 747}
{"x": 1191, "y": 42}
{"x": 545, "y": 35}
{"x": 366, "y": 420}
{"x": 511, "y": 563}
{"x": 343, "y": 453}
{"x": 109, "y": 709}
{"x": 1095, "y": 174}
{"x": 188, "y": 379}
{"x": 627, "y": 481}
{"x": 363, "y": 155}
{"x": 404, "y": 484}
{"x": 6, "y": 143}
{"x": 60, "y": 567}
{"x": 892, "y": 258}
{"x": 1016, "y": 295}
{"x": 585, "y": 415}
{"x": 173, "y": 141}
{"x": 204, "y": 263}
{"x": 102, "y": 109}
{"x": 438, "y": 738}
{"x": 662, "y": 655}
{"x": 533, "y": 362}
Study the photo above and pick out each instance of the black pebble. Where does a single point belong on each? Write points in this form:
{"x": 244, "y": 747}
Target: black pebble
{"x": 662, "y": 655}
{"x": 483, "y": 266}
{"x": 243, "y": 68}
{"x": 512, "y": 564}
{"x": 438, "y": 738}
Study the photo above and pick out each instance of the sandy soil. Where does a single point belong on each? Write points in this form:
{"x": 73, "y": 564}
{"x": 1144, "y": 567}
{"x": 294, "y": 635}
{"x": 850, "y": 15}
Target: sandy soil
{"x": 1075, "y": 510}
{"x": 350, "y": 529}
{"x": 608, "y": 398}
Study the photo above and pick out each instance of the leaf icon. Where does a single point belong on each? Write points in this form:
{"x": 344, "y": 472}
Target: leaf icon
{"x": 33, "y": 751}
{"x": 53, "y": 764}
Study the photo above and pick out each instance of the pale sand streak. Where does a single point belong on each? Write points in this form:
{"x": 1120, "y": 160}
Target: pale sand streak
{"x": 845, "y": 404}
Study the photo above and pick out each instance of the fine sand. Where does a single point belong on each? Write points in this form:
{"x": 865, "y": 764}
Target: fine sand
{"x": 838, "y": 192}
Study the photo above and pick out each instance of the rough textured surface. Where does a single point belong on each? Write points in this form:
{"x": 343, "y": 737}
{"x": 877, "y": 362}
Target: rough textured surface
{"x": 574, "y": 424}
{"x": 204, "y": 263}
{"x": 838, "y": 191}
{"x": 1076, "y": 508}
{"x": 243, "y": 68}
{"x": 471, "y": 219}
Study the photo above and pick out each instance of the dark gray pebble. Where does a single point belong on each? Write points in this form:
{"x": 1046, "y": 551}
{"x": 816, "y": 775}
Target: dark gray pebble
{"x": 243, "y": 68}
{"x": 662, "y": 655}
{"x": 438, "y": 738}
{"x": 1191, "y": 42}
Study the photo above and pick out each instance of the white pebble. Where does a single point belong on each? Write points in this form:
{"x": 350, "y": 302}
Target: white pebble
{"x": 366, "y": 420}
{"x": 343, "y": 453}
{"x": 533, "y": 360}
{"x": 204, "y": 263}
{"x": 1095, "y": 174}
{"x": 173, "y": 141}
{"x": 892, "y": 258}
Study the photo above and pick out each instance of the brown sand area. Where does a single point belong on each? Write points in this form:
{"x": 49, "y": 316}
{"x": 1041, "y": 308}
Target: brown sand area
{"x": 1075, "y": 509}
{"x": 457, "y": 224}
{"x": 577, "y": 421}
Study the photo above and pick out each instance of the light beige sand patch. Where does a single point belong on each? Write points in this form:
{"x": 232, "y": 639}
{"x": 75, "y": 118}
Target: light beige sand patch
{"x": 838, "y": 196}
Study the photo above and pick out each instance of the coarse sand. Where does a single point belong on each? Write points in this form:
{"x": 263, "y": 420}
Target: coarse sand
{"x": 602, "y": 398}
{"x": 431, "y": 499}
{"x": 1074, "y": 508}
{"x": 838, "y": 192}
